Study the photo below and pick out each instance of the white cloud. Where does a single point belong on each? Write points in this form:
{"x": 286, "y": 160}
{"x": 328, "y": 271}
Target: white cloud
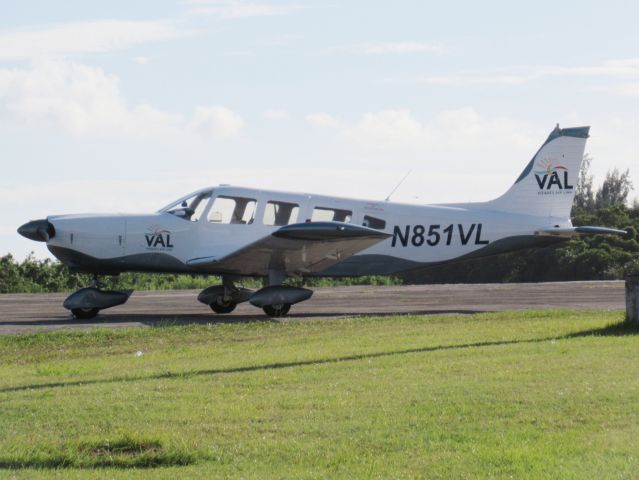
{"x": 76, "y": 97}
{"x": 217, "y": 122}
{"x": 276, "y": 114}
{"x": 401, "y": 47}
{"x": 478, "y": 78}
{"x": 83, "y": 37}
{"x": 322, "y": 119}
{"x": 458, "y": 129}
{"x": 82, "y": 99}
{"x": 616, "y": 70}
{"x": 388, "y": 128}
{"x": 626, "y": 89}
{"x": 619, "y": 68}
{"x": 141, "y": 60}
{"x": 227, "y": 9}
{"x": 388, "y": 48}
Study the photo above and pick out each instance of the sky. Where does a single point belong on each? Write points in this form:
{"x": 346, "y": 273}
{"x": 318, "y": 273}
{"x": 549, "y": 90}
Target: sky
{"x": 123, "y": 106}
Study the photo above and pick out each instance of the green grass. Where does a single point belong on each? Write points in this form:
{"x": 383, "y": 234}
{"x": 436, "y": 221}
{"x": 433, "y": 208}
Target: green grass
{"x": 497, "y": 395}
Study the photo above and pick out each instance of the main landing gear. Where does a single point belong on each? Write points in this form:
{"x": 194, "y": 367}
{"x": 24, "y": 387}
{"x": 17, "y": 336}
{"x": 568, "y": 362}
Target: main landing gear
{"x": 224, "y": 298}
{"x": 278, "y": 310}
{"x": 274, "y": 299}
{"x": 85, "y": 313}
{"x": 87, "y": 302}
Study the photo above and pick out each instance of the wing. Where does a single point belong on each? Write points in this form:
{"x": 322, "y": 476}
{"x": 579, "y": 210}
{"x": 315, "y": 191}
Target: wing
{"x": 579, "y": 231}
{"x": 299, "y": 248}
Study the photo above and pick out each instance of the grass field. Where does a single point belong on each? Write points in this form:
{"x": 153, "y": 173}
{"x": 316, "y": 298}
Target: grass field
{"x": 504, "y": 395}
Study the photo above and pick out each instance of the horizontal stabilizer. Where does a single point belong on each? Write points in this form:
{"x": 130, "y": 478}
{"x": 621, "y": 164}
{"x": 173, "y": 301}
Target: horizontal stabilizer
{"x": 578, "y": 232}
{"x": 299, "y": 248}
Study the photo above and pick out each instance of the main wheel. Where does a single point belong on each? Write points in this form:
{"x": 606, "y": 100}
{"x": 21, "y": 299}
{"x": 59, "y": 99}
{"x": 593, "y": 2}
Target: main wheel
{"x": 277, "y": 310}
{"x": 84, "y": 313}
{"x": 227, "y": 307}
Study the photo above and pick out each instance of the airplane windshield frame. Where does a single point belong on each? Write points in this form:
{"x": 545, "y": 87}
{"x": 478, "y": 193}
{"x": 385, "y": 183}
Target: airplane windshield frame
{"x": 191, "y": 206}
{"x": 179, "y": 201}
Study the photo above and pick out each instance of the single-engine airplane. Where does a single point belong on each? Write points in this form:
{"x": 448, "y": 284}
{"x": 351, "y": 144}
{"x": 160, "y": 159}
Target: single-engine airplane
{"x": 236, "y": 232}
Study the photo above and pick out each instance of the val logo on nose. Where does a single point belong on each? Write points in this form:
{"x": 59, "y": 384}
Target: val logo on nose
{"x": 159, "y": 238}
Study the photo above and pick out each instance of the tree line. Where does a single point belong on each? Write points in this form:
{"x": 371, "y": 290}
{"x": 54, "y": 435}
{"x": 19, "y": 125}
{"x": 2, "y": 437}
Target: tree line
{"x": 585, "y": 258}
{"x": 33, "y": 275}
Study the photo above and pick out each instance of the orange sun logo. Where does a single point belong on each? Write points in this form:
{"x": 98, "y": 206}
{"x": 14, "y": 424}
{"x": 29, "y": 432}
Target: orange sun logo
{"x": 546, "y": 167}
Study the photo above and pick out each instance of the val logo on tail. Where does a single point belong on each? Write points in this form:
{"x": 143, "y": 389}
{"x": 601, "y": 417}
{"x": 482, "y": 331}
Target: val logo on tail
{"x": 551, "y": 174}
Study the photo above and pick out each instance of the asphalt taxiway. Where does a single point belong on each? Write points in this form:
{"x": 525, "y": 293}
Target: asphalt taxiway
{"x": 29, "y": 313}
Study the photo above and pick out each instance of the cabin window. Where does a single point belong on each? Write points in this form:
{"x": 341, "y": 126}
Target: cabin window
{"x": 323, "y": 214}
{"x": 372, "y": 222}
{"x": 233, "y": 210}
{"x": 280, "y": 213}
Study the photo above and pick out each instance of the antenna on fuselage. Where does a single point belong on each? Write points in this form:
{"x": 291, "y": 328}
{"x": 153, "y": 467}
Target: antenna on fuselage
{"x": 398, "y": 185}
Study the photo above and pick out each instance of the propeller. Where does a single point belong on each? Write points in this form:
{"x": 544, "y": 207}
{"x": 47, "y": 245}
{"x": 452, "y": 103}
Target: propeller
{"x": 38, "y": 230}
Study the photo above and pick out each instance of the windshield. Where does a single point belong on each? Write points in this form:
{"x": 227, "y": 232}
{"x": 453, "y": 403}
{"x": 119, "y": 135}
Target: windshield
{"x": 191, "y": 207}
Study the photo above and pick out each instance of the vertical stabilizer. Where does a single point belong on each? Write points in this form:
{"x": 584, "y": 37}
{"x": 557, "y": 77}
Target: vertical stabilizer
{"x": 546, "y": 187}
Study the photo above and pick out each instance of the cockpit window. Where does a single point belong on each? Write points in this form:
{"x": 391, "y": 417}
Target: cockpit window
{"x": 234, "y": 210}
{"x": 192, "y": 208}
{"x": 198, "y": 207}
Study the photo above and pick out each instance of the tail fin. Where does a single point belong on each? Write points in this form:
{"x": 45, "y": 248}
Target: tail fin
{"x": 546, "y": 187}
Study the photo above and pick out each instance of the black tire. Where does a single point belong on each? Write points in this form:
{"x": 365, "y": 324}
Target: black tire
{"x": 275, "y": 311}
{"x": 85, "y": 313}
{"x": 223, "y": 307}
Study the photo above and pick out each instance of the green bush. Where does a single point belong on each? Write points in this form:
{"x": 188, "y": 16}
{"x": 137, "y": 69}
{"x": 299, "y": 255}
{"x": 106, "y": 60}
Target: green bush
{"x": 33, "y": 275}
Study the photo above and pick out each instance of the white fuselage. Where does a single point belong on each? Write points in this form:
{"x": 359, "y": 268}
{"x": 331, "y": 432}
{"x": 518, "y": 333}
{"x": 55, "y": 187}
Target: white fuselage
{"x": 165, "y": 241}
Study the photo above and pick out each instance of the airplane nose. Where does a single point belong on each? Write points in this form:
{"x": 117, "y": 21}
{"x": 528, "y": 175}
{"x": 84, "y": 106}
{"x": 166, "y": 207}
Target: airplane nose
{"x": 38, "y": 230}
